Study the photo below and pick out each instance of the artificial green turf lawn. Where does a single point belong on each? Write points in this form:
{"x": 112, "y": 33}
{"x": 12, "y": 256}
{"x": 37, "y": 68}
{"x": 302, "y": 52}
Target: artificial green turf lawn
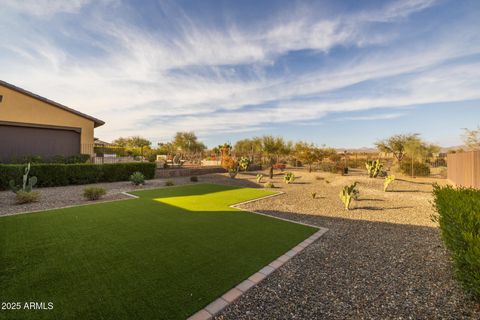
{"x": 162, "y": 256}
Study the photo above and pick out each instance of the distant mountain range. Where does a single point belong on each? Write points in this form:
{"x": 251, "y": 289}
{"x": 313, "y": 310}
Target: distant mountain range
{"x": 374, "y": 150}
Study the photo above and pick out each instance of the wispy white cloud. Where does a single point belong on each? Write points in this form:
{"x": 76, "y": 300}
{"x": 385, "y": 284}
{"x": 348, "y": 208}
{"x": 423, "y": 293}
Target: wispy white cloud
{"x": 143, "y": 81}
{"x": 45, "y": 8}
{"x": 374, "y": 117}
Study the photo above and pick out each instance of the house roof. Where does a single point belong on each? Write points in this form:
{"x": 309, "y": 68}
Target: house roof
{"x": 96, "y": 121}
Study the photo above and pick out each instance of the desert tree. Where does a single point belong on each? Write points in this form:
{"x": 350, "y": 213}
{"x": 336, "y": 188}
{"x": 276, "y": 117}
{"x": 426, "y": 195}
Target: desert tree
{"x": 396, "y": 144}
{"x": 272, "y": 148}
{"x": 306, "y": 153}
{"x": 471, "y": 137}
{"x": 248, "y": 147}
{"x": 187, "y": 144}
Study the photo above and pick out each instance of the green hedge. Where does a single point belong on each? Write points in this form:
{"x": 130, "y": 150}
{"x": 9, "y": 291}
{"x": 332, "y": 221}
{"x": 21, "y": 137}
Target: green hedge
{"x": 52, "y": 175}
{"x": 419, "y": 169}
{"x": 458, "y": 213}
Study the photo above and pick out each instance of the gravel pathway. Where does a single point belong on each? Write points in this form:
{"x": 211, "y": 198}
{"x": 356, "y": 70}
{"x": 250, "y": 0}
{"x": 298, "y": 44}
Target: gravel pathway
{"x": 382, "y": 260}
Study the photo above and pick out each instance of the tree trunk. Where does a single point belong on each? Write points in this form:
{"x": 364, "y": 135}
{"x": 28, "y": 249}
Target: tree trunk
{"x": 412, "y": 167}
{"x": 271, "y": 172}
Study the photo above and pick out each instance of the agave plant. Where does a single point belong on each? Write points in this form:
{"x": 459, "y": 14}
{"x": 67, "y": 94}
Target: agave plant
{"x": 373, "y": 168}
{"x": 388, "y": 180}
{"x": 259, "y": 177}
{"x": 348, "y": 194}
{"x": 289, "y": 177}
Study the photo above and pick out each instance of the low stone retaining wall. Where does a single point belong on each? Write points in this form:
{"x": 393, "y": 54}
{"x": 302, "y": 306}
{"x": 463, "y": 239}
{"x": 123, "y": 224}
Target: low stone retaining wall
{"x": 185, "y": 172}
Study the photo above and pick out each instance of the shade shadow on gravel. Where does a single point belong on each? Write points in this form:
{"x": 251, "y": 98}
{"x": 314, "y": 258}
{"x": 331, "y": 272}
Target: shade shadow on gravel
{"x": 360, "y": 270}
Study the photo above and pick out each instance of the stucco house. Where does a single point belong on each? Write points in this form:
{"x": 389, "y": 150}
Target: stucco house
{"x": 34, "y": 125}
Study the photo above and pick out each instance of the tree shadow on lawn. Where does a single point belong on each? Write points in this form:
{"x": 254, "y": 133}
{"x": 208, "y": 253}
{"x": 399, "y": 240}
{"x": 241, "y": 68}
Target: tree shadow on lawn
{"x": 194, "y": 189}
{"x": 116, "y": 253}
{"x": 386, "y": 268}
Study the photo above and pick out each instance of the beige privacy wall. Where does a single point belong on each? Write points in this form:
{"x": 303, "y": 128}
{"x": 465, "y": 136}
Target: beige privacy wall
{"x": 21, "y": 108}
{"x": 464, "y": 168}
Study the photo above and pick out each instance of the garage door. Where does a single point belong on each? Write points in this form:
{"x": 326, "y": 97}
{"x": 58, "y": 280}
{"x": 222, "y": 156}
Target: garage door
{"x": 20, "y": 141}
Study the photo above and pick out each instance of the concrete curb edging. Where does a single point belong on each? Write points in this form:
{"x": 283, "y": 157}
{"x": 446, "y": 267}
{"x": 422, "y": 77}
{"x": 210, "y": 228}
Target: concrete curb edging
{"x": 233, "y": 294}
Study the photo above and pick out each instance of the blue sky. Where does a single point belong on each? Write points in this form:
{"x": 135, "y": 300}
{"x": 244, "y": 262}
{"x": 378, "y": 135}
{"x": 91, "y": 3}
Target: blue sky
{"x": 340, "y": 73}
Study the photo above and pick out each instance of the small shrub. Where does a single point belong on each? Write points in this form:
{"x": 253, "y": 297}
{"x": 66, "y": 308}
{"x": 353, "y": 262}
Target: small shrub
{"x": 327, "y": 181}
{"x": 348, "y": 194}
{"x": 231, "y": 165}
{"x": 22, "y": 197}
{"x": 259, "y": 178}
{"x": 388, "y": 180}
{"x": 319, "y": 178}
{"x": 458, "y": 214}
{"x": 269, "y": 185}
{"x": 169, "y": 183}
{"x": 419, "y": 169}
{"x": 137, "y": 178}
{"x": 280, "y": 166}
{"x": 194, "y": 179}
{"x": 289, "y": 177}
{"x": 314, "y": 195}
{"x": 93, "y": 193}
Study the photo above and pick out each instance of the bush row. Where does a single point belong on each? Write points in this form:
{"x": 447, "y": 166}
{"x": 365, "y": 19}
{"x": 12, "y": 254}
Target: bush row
{"x": 419, "y": 169}
{"x": 458, "y": 213}
{"x": 330, "y": 167}
{"x": 52, "y": 175}
{"x": 79, "y": 158}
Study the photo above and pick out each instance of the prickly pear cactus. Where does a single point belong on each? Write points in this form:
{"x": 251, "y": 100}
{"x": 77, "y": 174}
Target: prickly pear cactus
{"x": 373, "y": 168}
{"x": 27, "y": 182}
{"x": 387, "y": 181}
{"x": 348, "y": 194}
{"x": 289, "y": 177}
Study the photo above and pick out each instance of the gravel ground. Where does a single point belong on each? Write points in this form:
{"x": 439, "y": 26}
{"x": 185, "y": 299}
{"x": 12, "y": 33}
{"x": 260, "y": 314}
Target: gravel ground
{"x": 382, "y": 260}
